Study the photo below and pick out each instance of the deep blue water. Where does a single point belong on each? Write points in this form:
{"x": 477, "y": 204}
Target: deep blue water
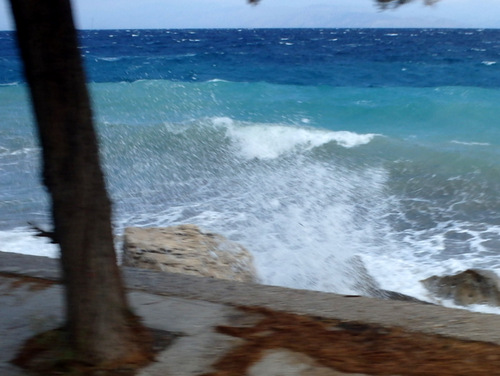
{"x": 333, "y": 57}
{"x": 311, "y": 147}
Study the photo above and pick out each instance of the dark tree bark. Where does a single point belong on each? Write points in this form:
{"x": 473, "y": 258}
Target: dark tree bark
{"x": 102, "y": 331}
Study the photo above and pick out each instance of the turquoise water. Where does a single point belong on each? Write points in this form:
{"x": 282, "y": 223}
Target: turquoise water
{"x": 312, "y": 157}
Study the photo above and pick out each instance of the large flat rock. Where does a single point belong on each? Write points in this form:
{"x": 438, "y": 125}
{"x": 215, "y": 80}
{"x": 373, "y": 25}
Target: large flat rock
{"x": 189, "y": 250}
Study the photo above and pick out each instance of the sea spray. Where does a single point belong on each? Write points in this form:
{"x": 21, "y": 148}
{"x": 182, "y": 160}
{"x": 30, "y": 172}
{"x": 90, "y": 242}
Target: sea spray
{"x": 303, "y": 218}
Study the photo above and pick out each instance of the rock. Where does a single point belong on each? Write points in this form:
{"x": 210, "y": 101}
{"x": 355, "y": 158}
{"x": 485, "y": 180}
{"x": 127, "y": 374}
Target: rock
{"x": 189, "y": 250}
{"x": 471, "y": 286}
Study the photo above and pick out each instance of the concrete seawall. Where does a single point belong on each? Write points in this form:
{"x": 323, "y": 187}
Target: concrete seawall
{"x": 425, "y": 318}
{"x": 204, "y": 294}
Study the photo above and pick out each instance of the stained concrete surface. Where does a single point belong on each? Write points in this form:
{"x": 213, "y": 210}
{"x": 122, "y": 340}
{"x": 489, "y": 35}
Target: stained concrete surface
{"x": 194, "y": 307}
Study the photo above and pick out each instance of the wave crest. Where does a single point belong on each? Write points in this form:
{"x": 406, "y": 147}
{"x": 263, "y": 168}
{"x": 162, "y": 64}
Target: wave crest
{"x": 269, "y": 141}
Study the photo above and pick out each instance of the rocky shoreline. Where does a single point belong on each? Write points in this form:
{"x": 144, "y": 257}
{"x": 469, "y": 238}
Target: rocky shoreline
{"x": 188, "y": 249}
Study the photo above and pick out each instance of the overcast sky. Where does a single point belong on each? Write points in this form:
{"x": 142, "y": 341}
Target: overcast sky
{"x": 140, "y": 14}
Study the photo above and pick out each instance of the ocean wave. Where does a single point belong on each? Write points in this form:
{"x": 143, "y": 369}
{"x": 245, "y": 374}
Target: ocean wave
{"x": 269, "y": 141}
{"x": 470, "y": 143}
{"x": 110, "y": 59}
{"x": 14, "y": 83}
{"x": 217, "y": 80}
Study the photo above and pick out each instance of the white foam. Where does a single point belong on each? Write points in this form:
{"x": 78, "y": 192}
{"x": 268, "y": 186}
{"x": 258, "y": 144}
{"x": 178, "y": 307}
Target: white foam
{"x": 109, "y": 58}
{"x": 222, "y": 121}
{"x": 265, "y": 141}
{"x": 482, "y": 308}
{"x": 14, "y": 83}
{"x": 24, "y": 241}
{"x": 470, "y": 143}
{"x": 311, "y": 230}
{"x": 217, "y": 80}
{"x": 403, "y": 262}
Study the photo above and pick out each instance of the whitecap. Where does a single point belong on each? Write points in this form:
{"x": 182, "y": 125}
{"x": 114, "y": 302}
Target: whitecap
{"x": 217, "y": 80}
{"x": 265, "y": 141}
{"x": 470, "y": 143}
{"x": 109, "y": 58}
{"x": 15, "y": 83}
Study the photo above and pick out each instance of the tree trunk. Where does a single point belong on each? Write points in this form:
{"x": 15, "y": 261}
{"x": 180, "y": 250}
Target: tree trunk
{"x": 101, "y": 329}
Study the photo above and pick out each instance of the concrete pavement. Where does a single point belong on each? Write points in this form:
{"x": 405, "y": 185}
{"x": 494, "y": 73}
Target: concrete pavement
{"x": 196, "y": 309}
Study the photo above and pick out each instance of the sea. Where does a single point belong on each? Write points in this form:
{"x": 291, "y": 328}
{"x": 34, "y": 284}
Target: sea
{"x": 317, "y": 149}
